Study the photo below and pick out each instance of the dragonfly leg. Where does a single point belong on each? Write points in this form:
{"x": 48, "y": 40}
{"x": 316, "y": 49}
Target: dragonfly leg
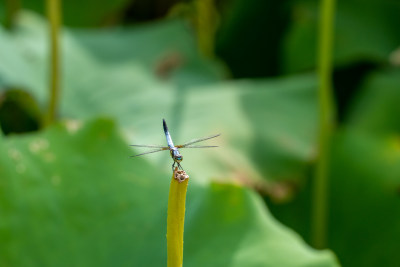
{"x": 180, "y": 167}
{"x": 173, "y": 166}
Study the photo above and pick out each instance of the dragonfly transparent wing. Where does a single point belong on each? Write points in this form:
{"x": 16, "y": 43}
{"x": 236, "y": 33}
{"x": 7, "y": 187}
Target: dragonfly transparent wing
{"x": 195, "y": 146}
{"x": 152, "y": 146}
{"x": 197, "y": 140}
{"x": 152, "y": 151}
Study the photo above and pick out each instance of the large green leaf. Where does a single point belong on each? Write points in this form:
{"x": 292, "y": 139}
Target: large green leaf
{"x": 365, "y": 199}
{"x": 268, "y": 126}
{"x": 144, "y": 56}
{"x": 376, "y": 108}
{"x": 71, "y": 196}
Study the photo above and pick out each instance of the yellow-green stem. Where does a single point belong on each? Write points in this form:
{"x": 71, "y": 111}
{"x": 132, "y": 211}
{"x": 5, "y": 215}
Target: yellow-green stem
{"x": 326, "y": 124}
{"x": 175, "y": 221}
{"x": 206, "y": 22}
{"x": 11, "y": 9}
{"x": 54, "y": 15}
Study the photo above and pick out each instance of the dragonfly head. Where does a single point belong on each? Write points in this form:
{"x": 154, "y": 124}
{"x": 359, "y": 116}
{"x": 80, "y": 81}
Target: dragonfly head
{"x": 178, "y": 158}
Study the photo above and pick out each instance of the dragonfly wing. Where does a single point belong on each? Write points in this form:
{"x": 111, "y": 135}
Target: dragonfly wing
{"x": 152, "y": 146}
{"x": 194, "y": 146}
{"x": 152, "y": 151}
{"x": 199, "y": 140}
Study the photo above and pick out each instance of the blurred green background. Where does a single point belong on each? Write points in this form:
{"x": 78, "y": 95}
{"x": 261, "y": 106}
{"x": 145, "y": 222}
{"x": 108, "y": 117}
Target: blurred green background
{"x": 70, "y": 195}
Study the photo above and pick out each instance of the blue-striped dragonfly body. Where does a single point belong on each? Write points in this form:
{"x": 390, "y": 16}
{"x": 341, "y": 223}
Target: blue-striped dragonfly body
{"x": 175, "y": 154}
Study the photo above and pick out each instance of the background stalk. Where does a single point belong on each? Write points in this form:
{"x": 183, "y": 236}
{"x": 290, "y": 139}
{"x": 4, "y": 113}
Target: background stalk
{"x": 326, "y": 124}
{"x": 206, "y": 22}
{"x": 54, "y": 15}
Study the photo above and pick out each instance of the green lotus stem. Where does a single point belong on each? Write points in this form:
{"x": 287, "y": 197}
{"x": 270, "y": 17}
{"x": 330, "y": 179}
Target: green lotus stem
{"x": 326, "y": 124}
{"x": 176, "y": 218}
{"x": 54, "y": 15}
{"x": 206, "y": 24}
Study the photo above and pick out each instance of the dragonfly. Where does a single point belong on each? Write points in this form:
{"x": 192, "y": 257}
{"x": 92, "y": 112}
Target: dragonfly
{"x": 174, "y": 152}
